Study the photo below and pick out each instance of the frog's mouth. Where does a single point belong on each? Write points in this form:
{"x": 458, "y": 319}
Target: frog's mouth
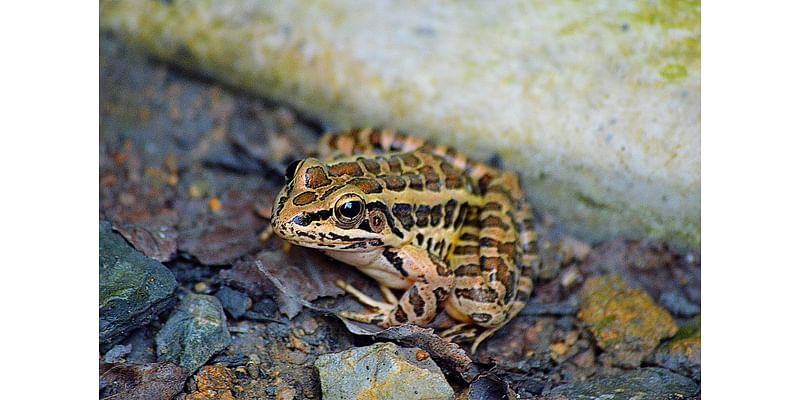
{"x": 307, "y": 230}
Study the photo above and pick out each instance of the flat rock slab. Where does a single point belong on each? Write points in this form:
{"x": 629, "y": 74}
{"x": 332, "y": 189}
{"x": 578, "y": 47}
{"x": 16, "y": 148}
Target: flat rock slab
{"x": 595, "y": 104}
{"x": 381, "y": 371}
{"x": 195, "y": 331}
{"x": 643, "y": 384}
{"x": 133, "y": 288}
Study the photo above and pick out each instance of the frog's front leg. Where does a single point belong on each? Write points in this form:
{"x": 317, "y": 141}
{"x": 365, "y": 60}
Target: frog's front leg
{"x": 423, "y": 300}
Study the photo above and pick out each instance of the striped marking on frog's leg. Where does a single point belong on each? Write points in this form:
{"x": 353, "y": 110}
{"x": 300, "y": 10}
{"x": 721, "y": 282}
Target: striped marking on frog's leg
{"x": 424, "y": 298}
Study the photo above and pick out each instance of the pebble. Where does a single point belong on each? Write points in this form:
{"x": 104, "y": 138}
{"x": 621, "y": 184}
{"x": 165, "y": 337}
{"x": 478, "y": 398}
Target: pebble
{"x": 233, "y": 301}
{"x": 678, "y": 305}
{"x": 195, "y": 331}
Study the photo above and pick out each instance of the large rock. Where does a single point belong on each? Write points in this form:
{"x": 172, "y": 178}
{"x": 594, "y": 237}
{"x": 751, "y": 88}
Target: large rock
{"x": 133, "y": 288}
{"x": 381, "y": 371}
{"x": 195, "y": 331}
{"x": 596, "y": 104}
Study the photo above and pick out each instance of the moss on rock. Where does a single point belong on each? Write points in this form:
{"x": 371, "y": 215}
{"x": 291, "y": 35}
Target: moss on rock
{"x": 625, "y": 322}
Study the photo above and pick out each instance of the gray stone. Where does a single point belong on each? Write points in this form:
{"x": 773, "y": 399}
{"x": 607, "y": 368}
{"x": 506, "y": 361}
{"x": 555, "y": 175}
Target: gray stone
{"x": 640, "y": 384}
{"x": 117, "y": 354}
{"x": 133, "y": 288}
{"x": 195, "y": 331}
{"x": 678, "y": 304}
{"x": 681, "y": 353}
{"x": 234, "y": 302}
{"x": 381, "y": 371}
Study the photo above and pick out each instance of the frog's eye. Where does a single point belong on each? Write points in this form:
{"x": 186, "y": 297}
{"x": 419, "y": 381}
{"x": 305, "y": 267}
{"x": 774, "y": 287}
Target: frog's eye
{"x": 290, "y": 170}
{"x": 349, "y": 210}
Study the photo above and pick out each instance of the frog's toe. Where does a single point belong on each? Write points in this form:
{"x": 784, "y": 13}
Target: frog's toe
{"x": 367, "y": 318}
{"x": 460, "y": 333}
{"x": 361, "y": 296}
{"x": 388, "y": 295}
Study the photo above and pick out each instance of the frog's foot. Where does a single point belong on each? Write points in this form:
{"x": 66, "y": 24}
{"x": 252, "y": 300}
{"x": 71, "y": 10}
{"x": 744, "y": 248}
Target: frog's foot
{"x": 465, "y": 332}
{"x": 383, "y": 309}
{"x": 485, "y": 334}
{"x": 388, "y": 295}
{"x": 459, "y": 333}
{"x": 365, "y": 299}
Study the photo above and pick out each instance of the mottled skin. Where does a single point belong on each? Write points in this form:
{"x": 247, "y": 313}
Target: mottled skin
{"x": 454, "y": 234}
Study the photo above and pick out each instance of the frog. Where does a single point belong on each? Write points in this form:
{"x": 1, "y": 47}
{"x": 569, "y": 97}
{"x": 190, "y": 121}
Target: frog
{"x": 451, "y": 233}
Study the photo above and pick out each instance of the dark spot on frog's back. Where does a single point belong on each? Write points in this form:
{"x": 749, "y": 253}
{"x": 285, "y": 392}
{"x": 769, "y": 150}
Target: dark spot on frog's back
{"x": 452, "y": 176}
{"x": 410, "y": 160}
{"x": 402, "y": 212}
{"x": 366, "y": 185}
{"x": 432, "y": 182}
{"x": 466, "y": 250}
{"x": 394, "y": 164}
{"x": 345, "y": 168}
{"x": 449, "y": 209}
{"x": 494, "y": 222}
{"x": 415, "y": 181}
{"x": 370, "y": 165}
{"x": 316, "y": 178}
{"x": 436, "y": 215}
{"x": 393, "y": 182}
{"x": 422, "y": 215}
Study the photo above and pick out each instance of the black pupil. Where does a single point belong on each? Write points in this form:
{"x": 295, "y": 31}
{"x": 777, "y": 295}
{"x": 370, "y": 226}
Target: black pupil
{"x": 351, "y": 209}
